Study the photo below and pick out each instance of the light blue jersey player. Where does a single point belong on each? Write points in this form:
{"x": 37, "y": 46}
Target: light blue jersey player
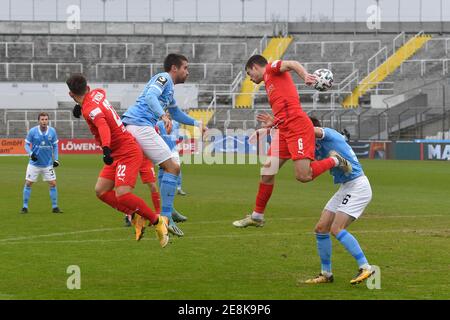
{"x": 140, "y": 120}
{"x": 347, "y": 205}
{"x": 41, "y": 144}
{"x": 171, "y": 139}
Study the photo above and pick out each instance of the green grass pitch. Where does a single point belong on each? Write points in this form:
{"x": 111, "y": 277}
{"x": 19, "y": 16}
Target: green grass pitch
{"x": 405, "y": 231}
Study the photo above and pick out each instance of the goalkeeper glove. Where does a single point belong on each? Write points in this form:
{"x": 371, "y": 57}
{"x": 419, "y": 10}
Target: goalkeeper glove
{"x": 107, "y": 159}
{"x": 55, "y": 163}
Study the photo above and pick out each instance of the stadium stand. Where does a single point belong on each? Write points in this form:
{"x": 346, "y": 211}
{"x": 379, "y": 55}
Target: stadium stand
{"x": 216, "y": 68}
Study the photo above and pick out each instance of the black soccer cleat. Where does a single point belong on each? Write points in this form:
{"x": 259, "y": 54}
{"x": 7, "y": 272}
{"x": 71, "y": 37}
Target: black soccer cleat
{"x": 24, "y": 210}
{"x": 57, "y": 210}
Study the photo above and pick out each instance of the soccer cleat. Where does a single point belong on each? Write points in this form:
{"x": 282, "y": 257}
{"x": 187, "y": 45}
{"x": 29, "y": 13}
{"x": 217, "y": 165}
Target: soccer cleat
{"x": 362, "y": 275}
{"x": 181, "y": 192}
{"x": 139, "y": 226}
{"x": 57, "y": 210}
{"x": 320, "y": 279}
{"x": 24, "y": 210}
{"x": 344, "y": 164}
{"x": 178, "y": 217}
{"x": 248, "y": 221}
{"x": 161, "y": 231}
{"x": 174, "y": 229}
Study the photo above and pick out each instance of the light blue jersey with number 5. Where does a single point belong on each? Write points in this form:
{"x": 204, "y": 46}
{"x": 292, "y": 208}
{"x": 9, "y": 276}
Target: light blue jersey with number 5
{"x": 333, "y": 140}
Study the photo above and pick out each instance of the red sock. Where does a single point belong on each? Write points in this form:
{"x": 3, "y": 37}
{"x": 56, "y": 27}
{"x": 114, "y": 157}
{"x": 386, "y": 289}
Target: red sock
{"x": 320, "y": 166}
{"x": 136, "y": 204}
{"x": 110, "y": 199}
{"x": 263, "y": 196}
{"x": 156, "y": 199}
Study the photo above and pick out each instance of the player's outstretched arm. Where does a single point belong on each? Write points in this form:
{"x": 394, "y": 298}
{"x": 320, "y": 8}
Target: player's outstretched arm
{"x": 292, "y": 65}
{"x": 182, "y": 117}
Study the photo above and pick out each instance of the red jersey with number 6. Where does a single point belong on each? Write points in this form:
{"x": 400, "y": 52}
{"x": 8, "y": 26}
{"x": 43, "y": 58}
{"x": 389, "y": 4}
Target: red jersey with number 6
{"x": 282, "y": 93}
{"x": 105, "y": 124}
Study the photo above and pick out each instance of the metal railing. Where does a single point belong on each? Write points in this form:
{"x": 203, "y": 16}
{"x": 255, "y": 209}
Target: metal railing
{"x": 100, "y": 46}
{"x": 8, "y": 44}
{"x": 322, "y": 44}
{"x": 218, "y": 44}
{"x": 380, "y": 56}
{"x": 423, "y": 63}
{"x": 53, "y": 123}
{"x": 402, "y": 37}
{"x": 445, "y": 40}
{"x": 33, "y": 64}
{"x": 153, "y": 66}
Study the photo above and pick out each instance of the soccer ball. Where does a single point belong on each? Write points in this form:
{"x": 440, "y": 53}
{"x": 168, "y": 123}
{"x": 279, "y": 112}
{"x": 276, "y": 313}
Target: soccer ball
{"x": 324, "y": 79}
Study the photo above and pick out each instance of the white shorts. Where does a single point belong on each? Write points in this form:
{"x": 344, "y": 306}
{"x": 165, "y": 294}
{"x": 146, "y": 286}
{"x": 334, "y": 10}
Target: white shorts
{"x": 151, "y": 143}
{"x": 33, "y": 172}
{"x": 351, "y": 198}
{"x": 176, "y": 157}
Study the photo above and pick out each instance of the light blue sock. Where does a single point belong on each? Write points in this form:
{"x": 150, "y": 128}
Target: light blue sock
{"x": 26, "y": 195}
{"x": 179, "y": 181}
{"x": 160, "y": 176}
{"x": 54, "y": 196}
{"x": 324, "y": 248}
{"x": 351, "y": 244}
{"x": 167, "y": 190}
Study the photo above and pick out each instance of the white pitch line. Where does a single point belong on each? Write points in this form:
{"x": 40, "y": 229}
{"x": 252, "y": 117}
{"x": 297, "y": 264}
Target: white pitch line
{"x": 59, "y": 234}
{"x": 256, "y": 234}
{"x": 317, "y": 217}
{"x": 197, "y": 222}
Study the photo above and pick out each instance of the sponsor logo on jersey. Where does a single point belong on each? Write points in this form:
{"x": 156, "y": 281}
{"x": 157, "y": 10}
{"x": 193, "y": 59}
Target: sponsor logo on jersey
{"x": 94, "y": 113}
{"x": 161, "y": 81}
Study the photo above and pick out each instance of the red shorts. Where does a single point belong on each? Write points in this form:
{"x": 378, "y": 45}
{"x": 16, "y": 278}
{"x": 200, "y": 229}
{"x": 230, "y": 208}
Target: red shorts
{"x": 125, "y": 169}
{"x": 147, "y": 171}
{"x": 294, "y": 140}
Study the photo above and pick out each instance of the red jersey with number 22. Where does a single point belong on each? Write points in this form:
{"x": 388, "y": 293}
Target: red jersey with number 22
{"x": 101, "y": 118}
{"x": 282, "y": 93}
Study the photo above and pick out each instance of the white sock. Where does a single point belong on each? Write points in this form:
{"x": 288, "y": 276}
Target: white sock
{"x": 366, "y": 266}
{"x": 336, "y": 161}
{"x": 326, "y": 273}
{"x": 257, "y": 216}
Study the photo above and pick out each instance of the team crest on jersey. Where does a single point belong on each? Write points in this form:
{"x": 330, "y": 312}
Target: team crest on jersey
{"x": 161, "y": 81}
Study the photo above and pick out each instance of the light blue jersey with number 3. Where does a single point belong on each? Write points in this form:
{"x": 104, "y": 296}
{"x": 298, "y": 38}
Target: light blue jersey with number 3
{"x": 333, "y": 140}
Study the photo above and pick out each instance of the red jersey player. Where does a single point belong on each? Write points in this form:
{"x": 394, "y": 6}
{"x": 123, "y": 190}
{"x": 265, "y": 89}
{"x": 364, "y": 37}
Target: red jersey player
{"x": 294, "y": 138}
{"x": 121, "y": 154}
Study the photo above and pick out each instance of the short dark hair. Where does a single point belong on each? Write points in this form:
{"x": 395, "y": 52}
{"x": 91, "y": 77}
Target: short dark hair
{"x": 77, "y": 83}
{"x": 173, "y": 59}
{"x": 256, "y": 59}
{"x": 43, "y": 114}
{"x": 316, "y": 122}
